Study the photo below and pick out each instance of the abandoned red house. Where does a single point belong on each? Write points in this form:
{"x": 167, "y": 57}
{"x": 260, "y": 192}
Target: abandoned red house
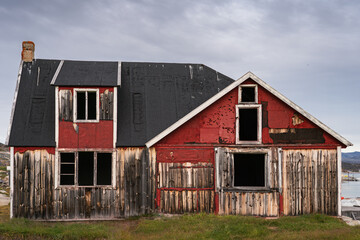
{"x": 102, "y": 140}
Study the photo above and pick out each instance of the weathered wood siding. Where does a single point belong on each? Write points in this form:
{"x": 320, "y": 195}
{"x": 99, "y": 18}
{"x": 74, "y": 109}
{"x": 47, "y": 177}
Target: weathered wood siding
{"x": 36, "y": 197}
{"x": 186, "y": 187}
{"x": 33, "y": 195}
{"x": 106, "y": 105}
{"x": 185, "y": 179}
{"x": 65, "y": 105}
{"x": 254, "y": 203}
{"x": 310, "y": 181}
{"x": 190, "y": 201}
{"x": 232, "y": 200}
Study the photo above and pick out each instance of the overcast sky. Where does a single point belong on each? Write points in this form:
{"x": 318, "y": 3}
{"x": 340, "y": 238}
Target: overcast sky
{"x": 307, "y": 50}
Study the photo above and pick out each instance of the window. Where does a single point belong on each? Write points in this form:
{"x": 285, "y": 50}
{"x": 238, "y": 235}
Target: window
{"x": 85, "y": 168}
{"x": 248, "y": 124}
{"x": 249, "y": 170}
{"x": 248, "y": 93}
{"x": 86, "y": 105}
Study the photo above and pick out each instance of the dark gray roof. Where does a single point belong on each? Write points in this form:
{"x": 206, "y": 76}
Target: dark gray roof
{"x": 86, "y": 73}
{"x": 34, "y": 115}
{"x": 153, "y": 96}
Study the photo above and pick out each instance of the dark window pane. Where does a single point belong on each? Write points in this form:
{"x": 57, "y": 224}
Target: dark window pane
{"x": 81, "y": 105}
{"x": 104, "y": 168}
{"x": 86, "y": 169}
{"x": 67, "y": 180}
{"x": 249, "y": 170}
{"x": 247, "y": 94}
{"x": 91, "y": 105}
{"x": 67, "y": 168}
{"x": 248, "y": 129}
{"x": 67, "y": 157}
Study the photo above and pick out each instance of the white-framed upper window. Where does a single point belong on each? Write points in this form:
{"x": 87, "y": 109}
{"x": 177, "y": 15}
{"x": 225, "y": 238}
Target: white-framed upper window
{"x": 248, "y": 124}
{"x": 86, "y": 105}
{"x": 248, "y": 93}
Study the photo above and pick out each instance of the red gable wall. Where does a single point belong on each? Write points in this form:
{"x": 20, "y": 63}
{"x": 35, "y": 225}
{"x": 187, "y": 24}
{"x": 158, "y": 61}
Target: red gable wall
{"x": 217, "y": 123}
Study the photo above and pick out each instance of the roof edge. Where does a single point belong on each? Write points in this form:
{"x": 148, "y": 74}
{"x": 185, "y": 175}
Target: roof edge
{"x": 226, "y": 90}
{"x": 191, "y": 114}
{"x": 302, "y": 111}
{"x": 14, "y": 102}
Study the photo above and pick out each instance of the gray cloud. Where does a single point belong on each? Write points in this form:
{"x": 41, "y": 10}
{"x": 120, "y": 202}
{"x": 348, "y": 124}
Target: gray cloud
{"x": 308, "y": 50}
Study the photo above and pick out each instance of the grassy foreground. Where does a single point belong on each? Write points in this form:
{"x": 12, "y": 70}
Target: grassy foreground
{"x": 199, "y": 226}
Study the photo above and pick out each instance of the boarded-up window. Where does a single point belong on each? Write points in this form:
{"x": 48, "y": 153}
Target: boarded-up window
{"x": 249, "y": 170}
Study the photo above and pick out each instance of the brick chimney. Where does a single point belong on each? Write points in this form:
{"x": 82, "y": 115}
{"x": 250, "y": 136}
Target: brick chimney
{"x": 28, "y": 49}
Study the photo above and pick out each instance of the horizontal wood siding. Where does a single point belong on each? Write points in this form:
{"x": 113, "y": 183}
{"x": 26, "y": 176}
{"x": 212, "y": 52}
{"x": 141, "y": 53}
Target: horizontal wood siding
{"x": 247, "y": 202}
{"x": 310, "y": 181}
{"x": 35, "y": 195}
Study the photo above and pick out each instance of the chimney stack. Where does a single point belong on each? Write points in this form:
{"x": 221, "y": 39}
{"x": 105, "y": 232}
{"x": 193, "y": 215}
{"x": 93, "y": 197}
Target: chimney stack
{"x": 28, "y": 49}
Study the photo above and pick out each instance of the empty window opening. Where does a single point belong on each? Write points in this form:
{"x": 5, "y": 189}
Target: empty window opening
{"x": 81, "y": 105}
{"x": 247, "y": 94}
{"x": 104, "y": 168}
{"x": 86, "y": 105}
{"x": 67, "y": 168}
{"x": 249, "y": 170}
{"x": 91, "y": 105}
{"x": 86, "y": 169}
{"x": 248, "y": 129}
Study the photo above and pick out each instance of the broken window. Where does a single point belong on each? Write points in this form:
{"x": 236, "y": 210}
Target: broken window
{"x": 86, "y": 105}
{"x": 67, "y": 168}
{"x": 248, "y": 123}
{"x": 104, "y": 168}
{"x": 85, "y": 168}
{"x": 249, "y": 170}
{"x": 248, "y": 93}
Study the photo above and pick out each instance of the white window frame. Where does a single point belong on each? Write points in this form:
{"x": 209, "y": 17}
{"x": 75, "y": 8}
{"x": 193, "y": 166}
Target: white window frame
{"x": 259, "y": 123}
{"x": 267, "y": 153}
{"x": 76, "y": 156}
{"x": 86, "y": 90}
{"x": 240, "y": 93}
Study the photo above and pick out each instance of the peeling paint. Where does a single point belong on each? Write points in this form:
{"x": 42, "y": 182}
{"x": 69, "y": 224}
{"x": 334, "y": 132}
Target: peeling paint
{"x": 296, "y": 120}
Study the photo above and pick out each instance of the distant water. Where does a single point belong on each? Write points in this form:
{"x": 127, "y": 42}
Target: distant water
{"x": 350, "y": 189}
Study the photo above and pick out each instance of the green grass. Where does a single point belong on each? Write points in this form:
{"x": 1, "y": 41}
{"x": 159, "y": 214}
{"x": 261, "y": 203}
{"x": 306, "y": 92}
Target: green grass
{"x": 3, "y": 168}
{"x": 198, "y": 226}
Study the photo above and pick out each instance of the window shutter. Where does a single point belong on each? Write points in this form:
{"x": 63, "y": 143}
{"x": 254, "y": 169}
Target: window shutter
{"x": 106, "y": 105}
{"x": 65, "y": 105}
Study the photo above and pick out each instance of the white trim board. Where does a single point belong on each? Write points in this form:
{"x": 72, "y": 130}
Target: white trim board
{"x": 14, "y": 103}
{"x": 53, "y": 80}
{"x": 226, "y": 90}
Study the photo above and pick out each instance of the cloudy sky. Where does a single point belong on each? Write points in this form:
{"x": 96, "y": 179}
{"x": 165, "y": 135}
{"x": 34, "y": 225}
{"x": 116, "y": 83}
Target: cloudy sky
{"x": 307, "y": 50}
